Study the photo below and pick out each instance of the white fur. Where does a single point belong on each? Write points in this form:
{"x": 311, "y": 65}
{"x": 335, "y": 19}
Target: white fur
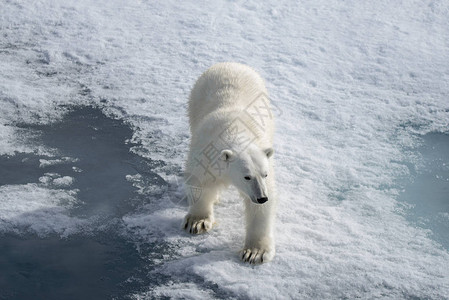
{"x": 232, "y": 133}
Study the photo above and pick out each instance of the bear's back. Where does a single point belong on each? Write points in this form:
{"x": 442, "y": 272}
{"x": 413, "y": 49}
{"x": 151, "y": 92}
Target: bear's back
{"x": 223, "y": 86}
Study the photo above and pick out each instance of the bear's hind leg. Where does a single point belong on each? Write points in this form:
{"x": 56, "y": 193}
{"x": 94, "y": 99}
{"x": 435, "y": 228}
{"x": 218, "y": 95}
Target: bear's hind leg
{"x": 200, "y": 218}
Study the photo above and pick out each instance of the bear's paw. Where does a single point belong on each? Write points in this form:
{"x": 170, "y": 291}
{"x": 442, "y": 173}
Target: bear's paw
{"x": 256, "y": 256}
{"x": 196, "y": 224}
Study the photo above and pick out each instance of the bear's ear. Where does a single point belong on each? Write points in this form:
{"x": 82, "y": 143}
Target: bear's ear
{"x": 269, "y": 152}
{"x": 226, "y": 155}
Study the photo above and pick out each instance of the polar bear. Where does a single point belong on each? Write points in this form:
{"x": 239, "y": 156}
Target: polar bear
{"x": 232, "y": 128}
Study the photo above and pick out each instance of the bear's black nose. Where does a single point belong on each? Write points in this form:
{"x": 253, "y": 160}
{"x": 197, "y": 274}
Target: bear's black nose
{"x": 262, "y": 200}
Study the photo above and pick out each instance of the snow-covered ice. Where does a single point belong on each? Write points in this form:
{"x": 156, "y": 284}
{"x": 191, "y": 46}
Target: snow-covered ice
{"x": 358, "y": 87}
{"x": 51, "y": 162}
{"x": 31, "y": 208}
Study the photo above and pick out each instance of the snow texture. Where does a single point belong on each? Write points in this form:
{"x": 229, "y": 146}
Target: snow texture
{"x": 354, "y": 84}
{"x": 32, "y": 208}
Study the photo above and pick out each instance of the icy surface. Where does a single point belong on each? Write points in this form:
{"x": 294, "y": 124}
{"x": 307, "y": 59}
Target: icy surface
{"x": 427, "y": 191}
{"x": 51, "y": 162}
{"x": 38, "y": 210}
{"x": 355, "y": 85}
{"x": 177, "y": 291}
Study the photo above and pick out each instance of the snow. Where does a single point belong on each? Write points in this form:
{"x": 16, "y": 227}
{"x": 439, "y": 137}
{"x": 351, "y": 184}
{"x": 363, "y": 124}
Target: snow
{"x": 356, "y": 84}
{"x": 51, "y": 162}
{"x": 33, "y": 208}
{"x": 176, "y": 291}
{"x": 56, "y": 179}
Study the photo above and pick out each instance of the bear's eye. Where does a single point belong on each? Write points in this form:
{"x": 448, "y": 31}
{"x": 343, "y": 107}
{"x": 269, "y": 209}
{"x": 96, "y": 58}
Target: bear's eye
{"x": 265, "y": 176}
{"x": 247, "y": 178}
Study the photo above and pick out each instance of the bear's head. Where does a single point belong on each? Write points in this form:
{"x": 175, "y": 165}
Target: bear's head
{"x": 248, "y": 171}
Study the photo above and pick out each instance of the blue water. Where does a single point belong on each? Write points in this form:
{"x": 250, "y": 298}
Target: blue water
{"x": 97, "y": 265}
{"x": 428, "y": 189}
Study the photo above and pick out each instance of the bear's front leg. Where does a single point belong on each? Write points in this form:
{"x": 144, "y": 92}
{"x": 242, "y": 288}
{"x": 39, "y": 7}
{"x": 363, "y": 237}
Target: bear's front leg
{"x": 259, "y": 243}
{"x": 200, "y": 218}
